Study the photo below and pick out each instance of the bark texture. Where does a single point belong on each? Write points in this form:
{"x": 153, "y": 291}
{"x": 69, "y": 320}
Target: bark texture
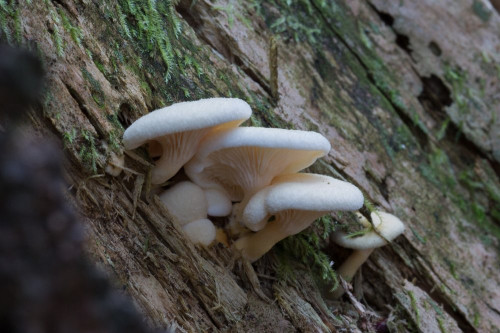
{"x": 407, "y": 93}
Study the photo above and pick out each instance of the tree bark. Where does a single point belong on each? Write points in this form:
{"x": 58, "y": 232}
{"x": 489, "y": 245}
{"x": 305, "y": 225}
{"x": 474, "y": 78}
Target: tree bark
{"x": 406, "y": 93}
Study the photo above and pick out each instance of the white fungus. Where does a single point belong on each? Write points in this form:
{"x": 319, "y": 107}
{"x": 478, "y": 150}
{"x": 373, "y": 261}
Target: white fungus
{"x": 386, "y": 227}
{"x": 294, "y": 201}
{"x": 179, "y": 128}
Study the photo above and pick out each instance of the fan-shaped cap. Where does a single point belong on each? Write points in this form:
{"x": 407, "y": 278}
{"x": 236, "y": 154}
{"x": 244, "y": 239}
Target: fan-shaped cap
{"x": 304, "y": 192}
{"x": 245, "y": 159}
{"x": 307, "y": 191}
{"x": 295, "y": 201}
{"x": 179, "y": 129}
{"x": 387, "y": 225}
{"x": 186, "y": 116}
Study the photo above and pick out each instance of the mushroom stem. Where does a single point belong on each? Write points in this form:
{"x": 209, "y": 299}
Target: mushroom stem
{"x": 236, "y": 225}
{"x": 286, "y": 223}
{"x": 256, "y": 245}
{"x": 349, "y": 268}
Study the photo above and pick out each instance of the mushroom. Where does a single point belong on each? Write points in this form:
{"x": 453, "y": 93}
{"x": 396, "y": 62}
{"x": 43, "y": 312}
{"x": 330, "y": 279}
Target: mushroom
{"x": 186, "y": 202}
{"x": 218, "y": 202}
{"x": 200, "y": 231}
{"x": 294, "y": 201}
{"x": 385, "y": 228}
{"x": 243, "y": 160}
{"x": 179, "y": 128}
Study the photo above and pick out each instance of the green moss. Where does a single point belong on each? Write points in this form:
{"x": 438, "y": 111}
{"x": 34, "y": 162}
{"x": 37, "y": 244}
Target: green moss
{"x": 95, "y": 88}
{"x": 155, "y": 25}
{"x": 88, "y": 152}
{"x": 477, "y": 318}
{"x": 442, "y": 129}
{"x": 123, "y": 22}
{"x": 56, "y": 33}
{"x": 114, "y": 139}
{"x": 414, "y": 306}
{"x": 4, "y": 26}
{"x": 462, "y": 93}
{"x": 364, "y": 38}
{"x": 69, "y": 137}
{"x": 264, "y": 112}
{"x": 75, "y": 32}
{"x": 101, "y": 68}
{"x": 481, "y": 11}
{"x": 305, "y": 248}
{"x": 452, "y": 266}
{"x": 291, "y": 20}
{"x": 10, "y": 22}
{"x": 441, "y": 325}
{"x": 438, "y": 170}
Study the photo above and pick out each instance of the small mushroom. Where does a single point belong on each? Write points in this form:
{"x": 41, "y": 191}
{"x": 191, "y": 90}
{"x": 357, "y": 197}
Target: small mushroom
{"x": 179, "y": 128}
{"x": 386, "y": 227}
{"x": 243, "y": 160}
{"x": 218, "y": 203}
{"x": 294, "y": 201}
{"x": 187, "y": 203}
{"x": 200, "y": 231}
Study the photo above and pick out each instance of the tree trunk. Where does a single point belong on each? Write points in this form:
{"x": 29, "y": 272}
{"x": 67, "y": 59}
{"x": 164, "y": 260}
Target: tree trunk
{"x": 407, "y": 92}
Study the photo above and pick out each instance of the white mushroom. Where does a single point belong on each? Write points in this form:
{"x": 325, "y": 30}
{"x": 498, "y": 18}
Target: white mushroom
{"x": 179, "y": 129}
{"x": 200, "y": 231}
{"x": 294, "y": 201}
{"x": 186, "y": 202}
{"x": 218, "y": 203}
{"x": 243, "y": 160}
{"x": 385, "y": 228}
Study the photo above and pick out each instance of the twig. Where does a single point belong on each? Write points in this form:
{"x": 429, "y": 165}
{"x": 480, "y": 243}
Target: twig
{"x": 360, "y": 308}
{"x": 254, "y": 280}
{"x": 273, "y": 68}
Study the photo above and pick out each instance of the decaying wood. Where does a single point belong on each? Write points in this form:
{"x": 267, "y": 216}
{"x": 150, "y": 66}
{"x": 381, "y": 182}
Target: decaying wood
{"x": 407, "y": 123}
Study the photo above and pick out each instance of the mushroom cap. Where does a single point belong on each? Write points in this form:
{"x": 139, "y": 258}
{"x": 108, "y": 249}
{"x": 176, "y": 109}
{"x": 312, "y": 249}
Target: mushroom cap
{"x": 308, "y": 191}
{"x": 248, "y": 158}
{"x": 387, "y": 225}
{"x": 301, "y": 192}
{"x": 265, "y": 138}
{"x": 201, "y": 231}
{"x": 218, "y": 202}
{"x": 186, "y": 116}
{"x": 185, "y": 201}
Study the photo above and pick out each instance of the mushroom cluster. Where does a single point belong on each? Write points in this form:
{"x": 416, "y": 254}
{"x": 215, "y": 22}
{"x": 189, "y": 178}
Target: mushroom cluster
{"x": 250, "y": 173}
